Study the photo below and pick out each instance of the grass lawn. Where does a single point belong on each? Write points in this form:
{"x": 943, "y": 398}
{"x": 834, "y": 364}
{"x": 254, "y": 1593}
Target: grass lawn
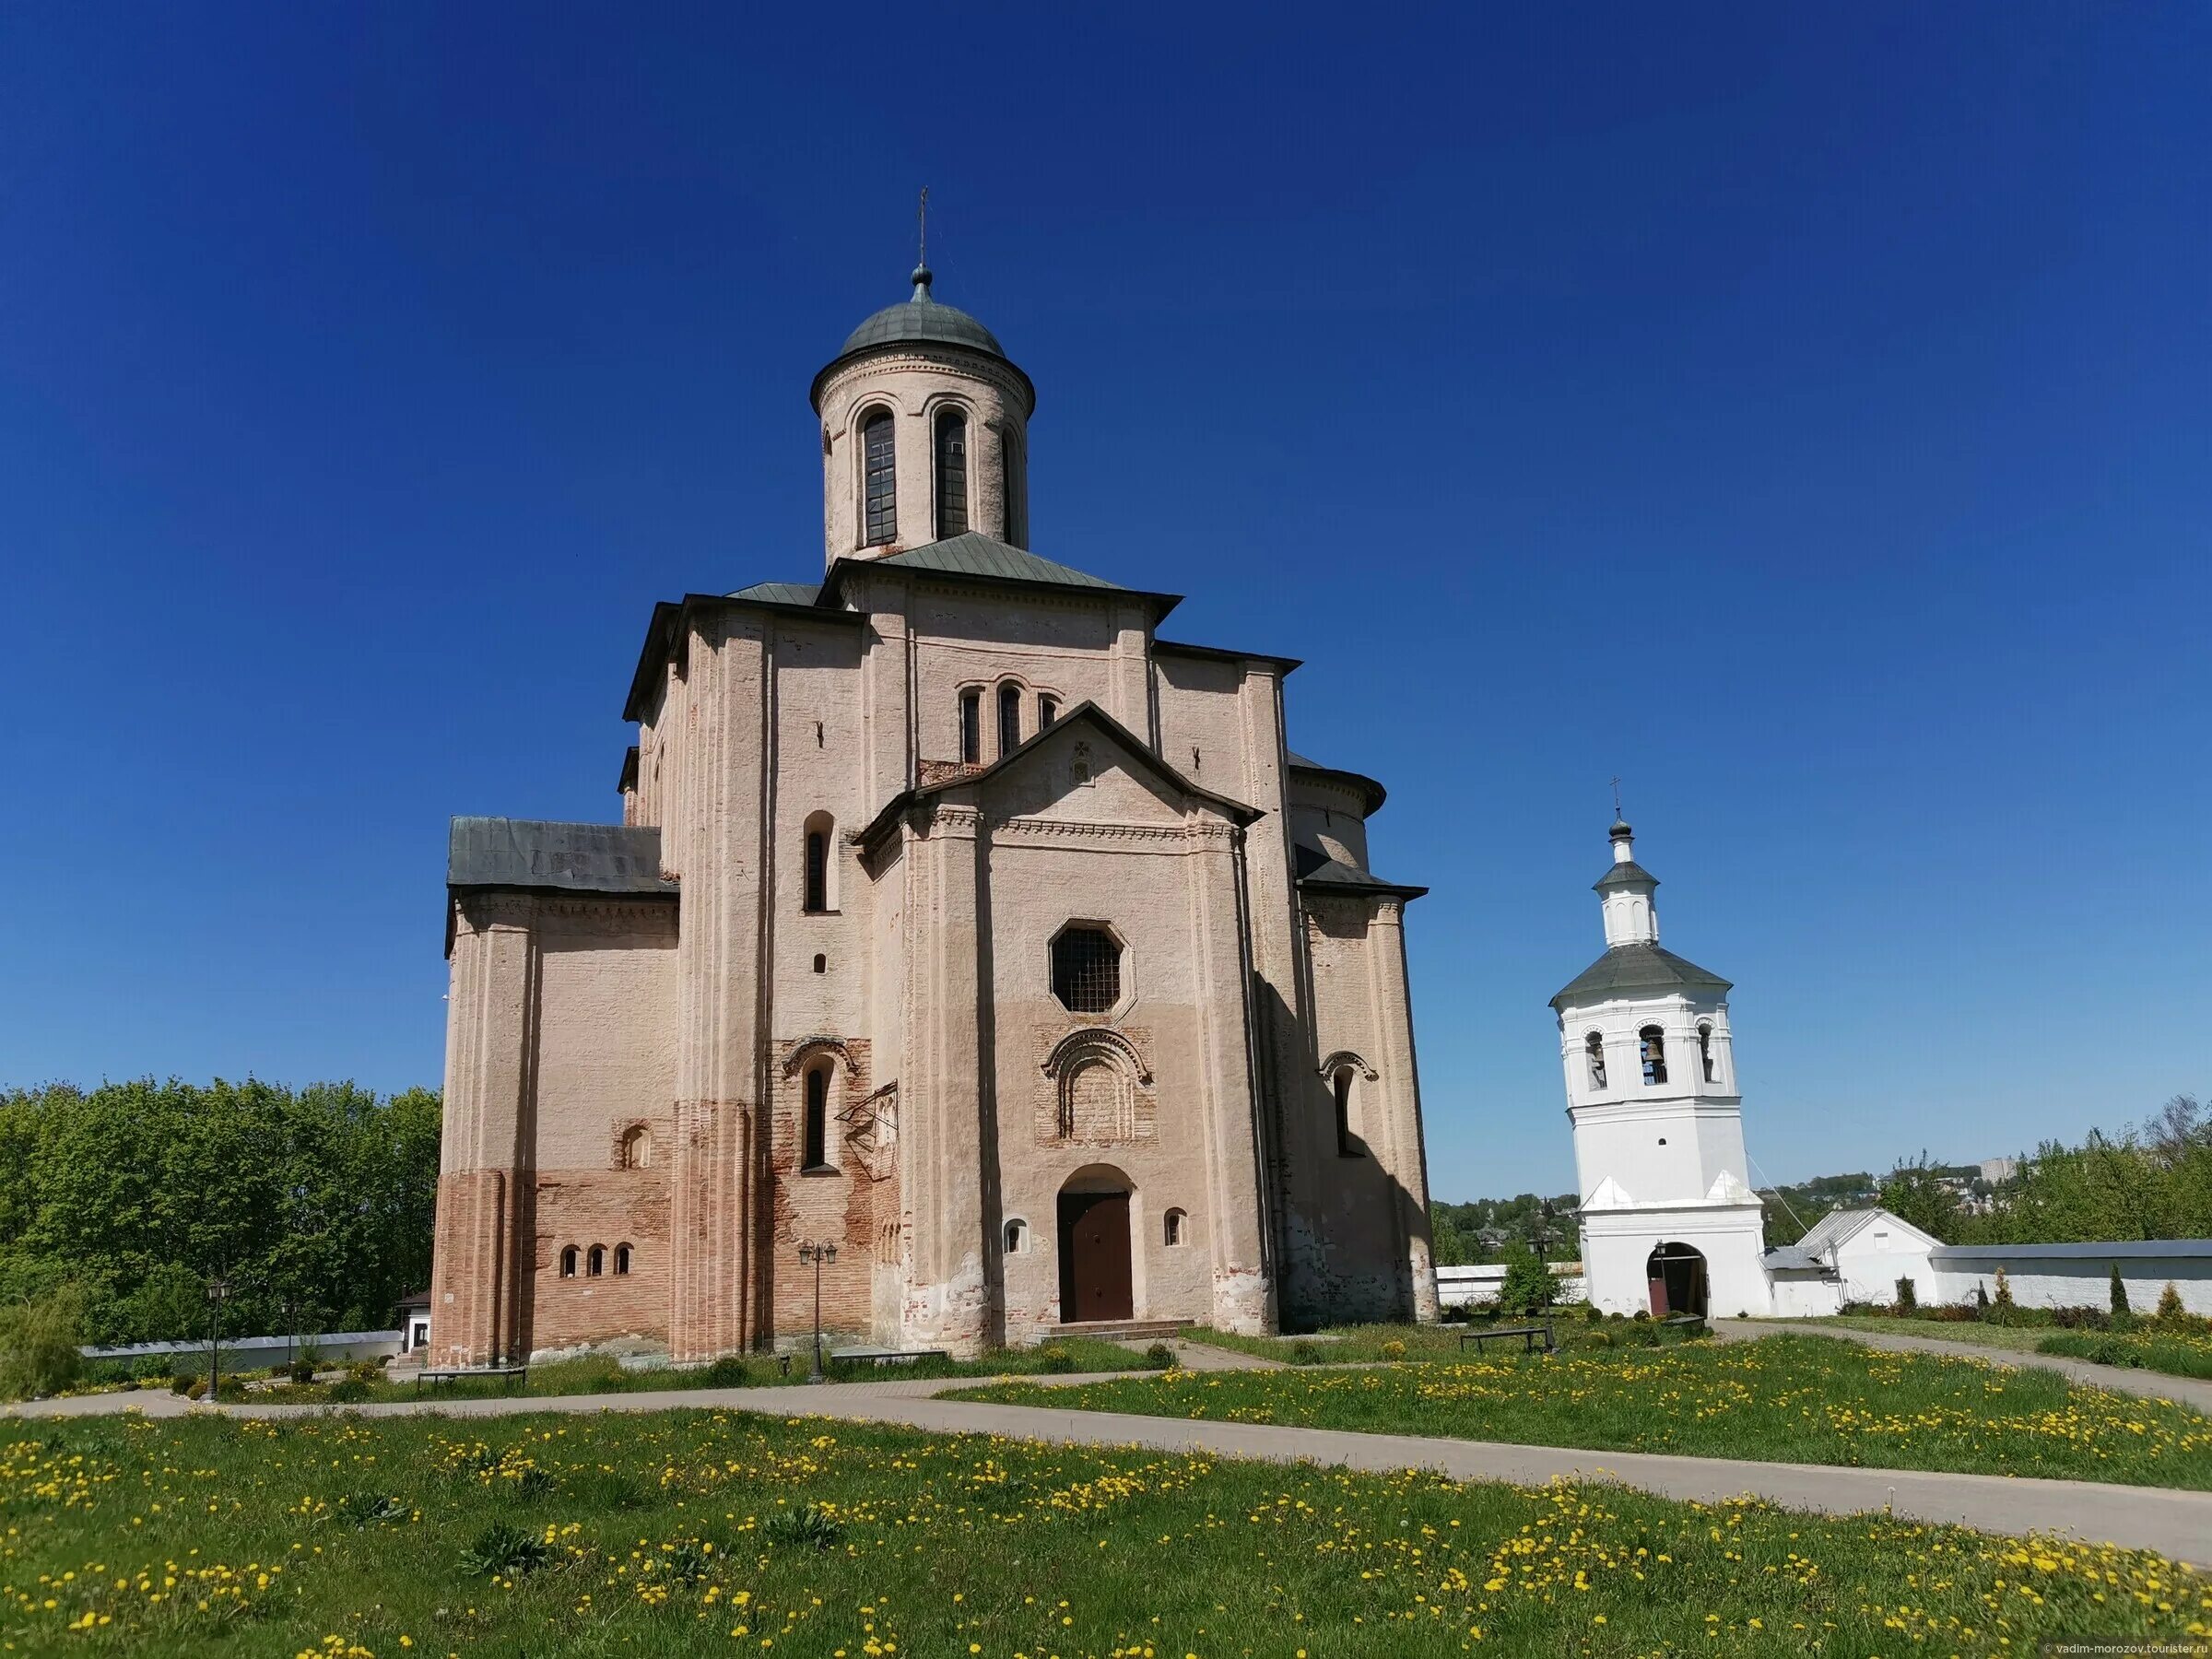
{"x": 2008, "y": 1337}
{"x": 690, "y": 1532}
{"x": 1787, "y": 1399}
{"x": 1374, "y": 1343}
{"x": 603, "y": 1376}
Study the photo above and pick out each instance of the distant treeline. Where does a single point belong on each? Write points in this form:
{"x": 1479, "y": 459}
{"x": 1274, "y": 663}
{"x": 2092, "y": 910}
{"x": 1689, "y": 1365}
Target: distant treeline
{"x": 1488, "y": 1229}
{"x": 2153, "y": 1181}
{"x": 314, "y": 1206}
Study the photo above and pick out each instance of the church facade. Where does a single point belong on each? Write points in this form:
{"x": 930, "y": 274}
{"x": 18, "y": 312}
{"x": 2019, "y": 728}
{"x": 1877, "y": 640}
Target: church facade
{"x": 956, "y": 919}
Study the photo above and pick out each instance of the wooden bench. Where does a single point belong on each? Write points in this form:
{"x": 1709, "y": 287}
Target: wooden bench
{"x": 881, "y": 1356}
{"x": 1528, "y": 1334}
{"x": 462, "y": 1373}
{"x": 1689, "y": 1325}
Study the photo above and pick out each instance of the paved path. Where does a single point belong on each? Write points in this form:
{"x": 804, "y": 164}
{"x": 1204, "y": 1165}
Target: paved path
{"x": 2149, "y": 1385}
{"x": 2175, "y": 1524}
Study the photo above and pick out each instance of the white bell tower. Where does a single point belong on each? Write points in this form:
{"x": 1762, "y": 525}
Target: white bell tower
{"x": 1669, "y": 1222}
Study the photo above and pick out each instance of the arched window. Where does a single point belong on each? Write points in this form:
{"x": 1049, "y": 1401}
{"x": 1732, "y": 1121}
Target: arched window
{"x": 1087, "y": 970}
{"x": 1654, "y": 1045}
{"x": 1594, "y": 1046}
{"x": 595, "y": 1263}
{"x": 815, "y": 1154}
{"x": 952, "y": 474}
{"x": 621, "y": 1260}
{"x": 971, "y": 726}
{"x": 1009, "y": 719}
{"x": 879, "y": 486}
{"x": 1018, "y": 1236}
{"x": 637, "y": 1147}
{"x": 1705, "y": 1053}
{"x": 1048, "y": 711}
{"x": 818, "y": 872}
{"x": 1172, "y": 1228}
{"x": 1341, "y": 1085}
{"x": 568, "y": 1262}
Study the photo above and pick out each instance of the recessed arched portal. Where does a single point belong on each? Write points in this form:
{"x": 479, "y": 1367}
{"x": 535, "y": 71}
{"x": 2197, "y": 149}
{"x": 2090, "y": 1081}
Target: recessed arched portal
{"x": 1677, "y": 1276}
{"x": 1096, "y": 1279}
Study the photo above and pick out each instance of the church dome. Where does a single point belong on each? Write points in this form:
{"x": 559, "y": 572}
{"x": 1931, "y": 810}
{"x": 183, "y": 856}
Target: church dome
{"x": 922, "y": 318}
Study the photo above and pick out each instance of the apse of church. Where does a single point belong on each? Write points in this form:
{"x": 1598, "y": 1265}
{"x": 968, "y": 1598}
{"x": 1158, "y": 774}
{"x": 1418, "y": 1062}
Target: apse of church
{"x": 955, "y": 918}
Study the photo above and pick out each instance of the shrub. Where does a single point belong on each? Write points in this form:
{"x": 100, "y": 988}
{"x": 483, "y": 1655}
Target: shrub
{"x": 1601, "y": 1338}
{"x": 1160, "y": 1357}
{"x": 2117, "y": 1296}
{"x": 1981, "y": 1297}
{"x": 39, "y": 1339}
{"x": 802, "y": 1528}
{"x": 365, "y": 1371}
{"x": 1393, "y": 1349}
{"x": 185, "y": 1384}
{"x": 2170, "y": 1313}
{"x": 1908, "y": 1295}
{"x": 349, "y": 1391}
{"x": 1529, "y": 1286}
{"x": 502, "y": 1550}
{"x": 1055, "y": 1358}
{"x": 729, "y": 1371}
{"x": 1591, "y": 1315}
{"x": 2000, "y": 1307}
{"x": 1642, "y": 1315}
{"x": 303, "y": 1370}
{"x": 1304, "y": 1353}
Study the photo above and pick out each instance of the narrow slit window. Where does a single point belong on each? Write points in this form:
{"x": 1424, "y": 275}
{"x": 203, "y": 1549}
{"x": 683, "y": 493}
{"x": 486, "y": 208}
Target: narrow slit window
{"x": 1048, "y": 711}
{"x": 1594, "y": 1046}
{"x": 568, "y": 1262}
{"x": 594, "y": 1264}
{"x": 817, "y": 1152}
{"x": 1652, "y": 1043}
{"x": 880, "y": 479}
{"x": 1705, "y": 1059}
{"x": 952, "y": 474}
{"x": 1017, "y": 1233}
{"x": 1342, "y": 1086}
{"x": 972, "y": 727}
{"x": 818, "y": 871}
{"x": 1009, "y": 719}
{"x": 1172, "y": 1229}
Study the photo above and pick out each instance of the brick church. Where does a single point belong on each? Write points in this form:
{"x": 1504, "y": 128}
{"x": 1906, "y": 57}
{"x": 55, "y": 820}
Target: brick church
{"x": 955, "y": 918}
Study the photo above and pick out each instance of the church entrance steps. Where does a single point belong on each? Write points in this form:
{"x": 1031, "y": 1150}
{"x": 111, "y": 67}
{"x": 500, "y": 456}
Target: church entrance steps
{"x": 1122, "y": 1330}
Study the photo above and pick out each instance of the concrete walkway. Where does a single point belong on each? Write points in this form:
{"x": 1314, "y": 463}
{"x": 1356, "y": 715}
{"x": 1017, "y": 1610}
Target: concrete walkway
{"x": 2146, "y": 1385}
{"x": 2175, "y": 1524}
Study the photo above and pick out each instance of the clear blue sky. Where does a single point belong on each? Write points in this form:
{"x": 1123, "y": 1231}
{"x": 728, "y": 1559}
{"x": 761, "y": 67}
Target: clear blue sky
{"x": 1801, "y": 412}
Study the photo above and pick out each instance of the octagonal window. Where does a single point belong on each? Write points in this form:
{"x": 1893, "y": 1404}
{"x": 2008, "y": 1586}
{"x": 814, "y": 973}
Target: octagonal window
{"x": 1087, "y": 970}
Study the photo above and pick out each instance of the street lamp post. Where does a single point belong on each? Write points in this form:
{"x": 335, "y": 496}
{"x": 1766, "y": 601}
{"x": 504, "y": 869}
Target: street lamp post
{"x": 218, "y": 1287}
{"x": 816, "y": 1254}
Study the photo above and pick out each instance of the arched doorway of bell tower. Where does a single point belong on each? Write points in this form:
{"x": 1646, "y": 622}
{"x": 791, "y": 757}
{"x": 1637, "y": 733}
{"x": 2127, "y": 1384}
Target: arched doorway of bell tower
{"x": 1097, "y": 1280}
{"x": 1676, "y": 1274}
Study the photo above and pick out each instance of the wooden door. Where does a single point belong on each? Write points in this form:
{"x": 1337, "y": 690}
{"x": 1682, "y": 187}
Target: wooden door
{"x": 1095, "y": 1282}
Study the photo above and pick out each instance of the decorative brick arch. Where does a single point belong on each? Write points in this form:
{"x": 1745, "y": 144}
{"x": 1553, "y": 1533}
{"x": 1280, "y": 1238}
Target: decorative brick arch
{"x": 1089, "y": 1039}
{"x": 806, "y": 1049}
{"x": 1344, "y": 1057}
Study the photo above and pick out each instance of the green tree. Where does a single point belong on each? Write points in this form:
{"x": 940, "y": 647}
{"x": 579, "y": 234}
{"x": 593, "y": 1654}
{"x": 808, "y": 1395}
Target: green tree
{"x": 1915, "y": 1193}
{"x": 39, "y": 1342}
{"x": 1529, "y": 1286}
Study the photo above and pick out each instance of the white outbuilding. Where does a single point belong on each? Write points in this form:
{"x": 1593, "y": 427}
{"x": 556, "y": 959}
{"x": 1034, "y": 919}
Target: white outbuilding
{"x": 1669, "y": 1222}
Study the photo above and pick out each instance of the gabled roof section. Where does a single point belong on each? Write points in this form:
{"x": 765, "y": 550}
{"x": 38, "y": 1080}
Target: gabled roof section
{"x": 1838, "y": 1227}
{"x": 1083, "y": 713}
{"x": 977, "y": 558}
{"x": 781, "y": 593}
{"x": 554, "y": 857}
{"x": 1637, "y": 967}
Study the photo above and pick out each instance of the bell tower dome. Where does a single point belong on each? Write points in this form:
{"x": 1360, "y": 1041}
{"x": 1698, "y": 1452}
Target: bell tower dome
{"x": 924, "y": 432}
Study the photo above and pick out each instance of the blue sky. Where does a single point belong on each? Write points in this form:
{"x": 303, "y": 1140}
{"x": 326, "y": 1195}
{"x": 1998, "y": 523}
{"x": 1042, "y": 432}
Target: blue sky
{"x": 1800, "y": 413}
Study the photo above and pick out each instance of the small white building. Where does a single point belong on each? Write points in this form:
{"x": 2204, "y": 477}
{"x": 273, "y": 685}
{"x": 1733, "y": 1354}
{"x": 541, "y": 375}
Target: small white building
{"x": 1849, "y": 1256}
{"x": 1669, "y": 1222}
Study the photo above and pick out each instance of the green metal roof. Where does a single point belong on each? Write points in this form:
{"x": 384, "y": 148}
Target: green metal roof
{"x": 1630, "y": 874}
{"x": 922, "y": 320}
{"x": 584, "y": 858}
{"x": 1640, "y": 967}
{"x": 976, "y": 554}
{"x": 781, "y": 593}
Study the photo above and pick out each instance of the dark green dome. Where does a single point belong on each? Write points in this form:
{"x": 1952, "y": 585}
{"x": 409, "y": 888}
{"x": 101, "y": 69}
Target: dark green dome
{"x": 921, "y": 321}
{"x": 922, "y": 318}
